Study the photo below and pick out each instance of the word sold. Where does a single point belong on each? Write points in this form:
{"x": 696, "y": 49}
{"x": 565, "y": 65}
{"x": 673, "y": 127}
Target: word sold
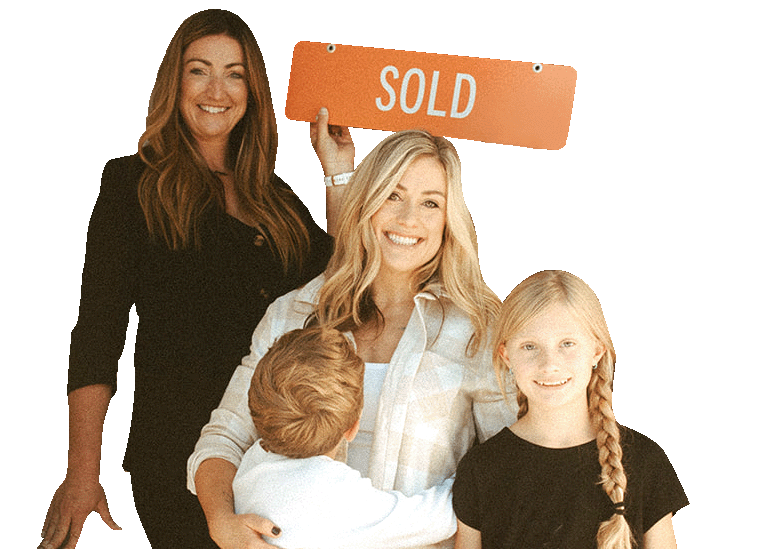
{"x": 392, "y": 72}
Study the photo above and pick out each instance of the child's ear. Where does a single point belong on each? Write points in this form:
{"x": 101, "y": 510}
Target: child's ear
{"x": 503, "y": 355}
{"x": 600, "y": 351}
{"x": 352, "y": 432}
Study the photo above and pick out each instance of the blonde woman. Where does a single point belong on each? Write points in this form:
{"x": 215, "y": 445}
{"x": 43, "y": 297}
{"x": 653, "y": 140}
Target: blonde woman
{"x": 565, "y": 474}
{"x": 404, "y": 284}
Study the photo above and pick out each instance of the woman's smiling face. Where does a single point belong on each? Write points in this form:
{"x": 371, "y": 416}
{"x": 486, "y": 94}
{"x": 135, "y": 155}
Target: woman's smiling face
{"x": 214, "y": 91}
{"x": 409, "y": 226}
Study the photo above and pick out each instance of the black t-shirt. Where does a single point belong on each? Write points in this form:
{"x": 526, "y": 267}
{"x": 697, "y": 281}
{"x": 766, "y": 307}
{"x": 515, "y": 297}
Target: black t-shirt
{"x": 521, "y": 495}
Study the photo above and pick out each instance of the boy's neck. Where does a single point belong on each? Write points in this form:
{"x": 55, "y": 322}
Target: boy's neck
{"x": 337, "y": 452}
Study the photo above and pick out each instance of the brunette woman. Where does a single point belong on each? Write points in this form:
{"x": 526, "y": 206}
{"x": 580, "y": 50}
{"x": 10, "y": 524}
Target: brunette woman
{"x": 200, "y": 235}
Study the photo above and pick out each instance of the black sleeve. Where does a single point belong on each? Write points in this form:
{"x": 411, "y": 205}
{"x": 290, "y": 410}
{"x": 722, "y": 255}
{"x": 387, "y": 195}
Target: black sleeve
{"x": 663, "y": 492}
{"x": 98, "y": 338}
{"x": 465, "y": 493}
{"x": 321, "y": 249}
{"x": 321, "y": 242}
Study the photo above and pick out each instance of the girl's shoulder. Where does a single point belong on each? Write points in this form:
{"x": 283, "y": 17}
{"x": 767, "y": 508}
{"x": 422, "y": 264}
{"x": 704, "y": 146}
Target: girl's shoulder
{"x": 644, "y": 458}
{"x": 494, "y": 449}
{"x": 652, "y": 480}
{"x": 636, "y": 445}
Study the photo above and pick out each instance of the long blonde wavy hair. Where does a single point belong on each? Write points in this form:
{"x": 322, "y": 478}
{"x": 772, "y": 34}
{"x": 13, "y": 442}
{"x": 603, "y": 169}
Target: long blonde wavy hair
{"x": 345, "y": 300}
{"x": 530, "y": 298}
{"x": 177, "y": 187}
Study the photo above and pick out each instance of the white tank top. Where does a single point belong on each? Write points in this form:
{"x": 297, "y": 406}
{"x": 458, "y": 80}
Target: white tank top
{"x": 360, "y": 447}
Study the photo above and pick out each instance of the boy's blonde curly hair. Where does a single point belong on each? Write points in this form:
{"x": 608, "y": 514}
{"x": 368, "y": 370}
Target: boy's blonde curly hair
{"x": 306, "y": 392}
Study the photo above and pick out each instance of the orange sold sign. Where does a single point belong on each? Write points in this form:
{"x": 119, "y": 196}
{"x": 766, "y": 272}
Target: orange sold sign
{"x": 508, "y": 102}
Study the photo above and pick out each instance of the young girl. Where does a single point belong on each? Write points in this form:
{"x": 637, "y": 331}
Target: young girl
{"x": 565, "y": 475}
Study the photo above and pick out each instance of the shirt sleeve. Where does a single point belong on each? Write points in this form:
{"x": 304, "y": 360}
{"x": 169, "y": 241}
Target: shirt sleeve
{"x": 408, "y": 521}
{"x": 465, "y": 494}
{"x": 97, "y": 340}
{"x": 321, "y": 249}
{"x": 318, "y": 502}
{"x": 663, "y": 492}
{"x": 321, "y": 243}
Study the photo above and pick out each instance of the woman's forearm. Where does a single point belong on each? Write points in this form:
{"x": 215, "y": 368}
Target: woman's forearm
{"x": 87, "y": 407}
{"x": 333, "y": 200}
{"x": 214, "y": 484}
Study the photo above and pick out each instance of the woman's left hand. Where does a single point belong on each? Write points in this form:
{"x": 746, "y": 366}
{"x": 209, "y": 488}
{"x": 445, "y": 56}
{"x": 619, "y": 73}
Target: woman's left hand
{"x": 333, "y": 145}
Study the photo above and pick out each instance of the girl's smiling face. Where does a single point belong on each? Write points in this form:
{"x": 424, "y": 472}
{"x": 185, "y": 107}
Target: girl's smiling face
{"x": 214, "y": 91}
{"x": 552, "y": 358}
{"x": 409, "y": 226}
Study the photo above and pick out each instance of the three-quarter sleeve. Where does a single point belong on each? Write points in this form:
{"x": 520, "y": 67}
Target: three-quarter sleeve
{"x": 97, "y": 340}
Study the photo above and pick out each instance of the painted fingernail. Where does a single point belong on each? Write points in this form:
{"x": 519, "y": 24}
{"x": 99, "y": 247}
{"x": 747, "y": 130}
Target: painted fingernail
{"x": 275, "y": 530}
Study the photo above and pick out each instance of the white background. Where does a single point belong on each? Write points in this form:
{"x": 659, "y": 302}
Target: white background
{"x": 662, "y": 200}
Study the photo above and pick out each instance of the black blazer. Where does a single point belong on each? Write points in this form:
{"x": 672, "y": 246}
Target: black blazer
{"x": 197, "y": 309}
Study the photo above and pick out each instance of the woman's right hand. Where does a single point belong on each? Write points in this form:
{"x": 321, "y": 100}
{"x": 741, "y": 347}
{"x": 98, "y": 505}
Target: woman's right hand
{"x": 333, "y": 145}
{"x": 73, "y": 501}
{"x": 231, "y": 531}
{"x": 214, "y": 484}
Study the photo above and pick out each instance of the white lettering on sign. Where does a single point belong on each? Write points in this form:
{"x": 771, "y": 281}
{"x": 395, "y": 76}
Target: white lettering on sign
{"x": 431, "y": 110}
{"x": 456, "y": 95}
{"x": 389, "y": 70}
{"x": 386, "y": 86}
{"x": 404, "y": 91}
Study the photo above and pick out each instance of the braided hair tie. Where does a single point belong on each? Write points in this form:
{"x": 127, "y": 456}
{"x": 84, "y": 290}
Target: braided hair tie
{"x": 619, "y": 508}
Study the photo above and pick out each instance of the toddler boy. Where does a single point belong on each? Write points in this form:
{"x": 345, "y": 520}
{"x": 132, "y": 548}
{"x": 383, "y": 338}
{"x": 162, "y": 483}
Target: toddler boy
{"x": 305, "y": 399}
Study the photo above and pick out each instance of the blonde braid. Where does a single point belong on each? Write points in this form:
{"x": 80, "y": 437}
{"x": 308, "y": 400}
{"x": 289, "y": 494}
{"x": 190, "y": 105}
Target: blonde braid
{"x": 523, "y": 404}
{"x": 613, "y": 533}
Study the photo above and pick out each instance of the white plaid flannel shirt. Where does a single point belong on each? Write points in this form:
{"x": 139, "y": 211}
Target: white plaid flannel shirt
{"x": 434, "y": 403}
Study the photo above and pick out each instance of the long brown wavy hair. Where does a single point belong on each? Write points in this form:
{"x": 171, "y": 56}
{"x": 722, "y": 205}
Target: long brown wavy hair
{"x": 177, "y": 187}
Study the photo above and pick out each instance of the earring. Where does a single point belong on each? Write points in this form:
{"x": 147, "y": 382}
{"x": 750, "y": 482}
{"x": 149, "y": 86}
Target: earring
{"x": 595, "y": 367}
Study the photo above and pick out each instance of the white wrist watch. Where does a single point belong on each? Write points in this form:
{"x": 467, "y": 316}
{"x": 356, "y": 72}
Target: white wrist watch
{"x": 338, "y": 179}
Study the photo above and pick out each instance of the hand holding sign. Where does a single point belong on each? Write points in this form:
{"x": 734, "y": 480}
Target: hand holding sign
{"x": 508, "y": 102}
{"x": 333, "y": 145}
